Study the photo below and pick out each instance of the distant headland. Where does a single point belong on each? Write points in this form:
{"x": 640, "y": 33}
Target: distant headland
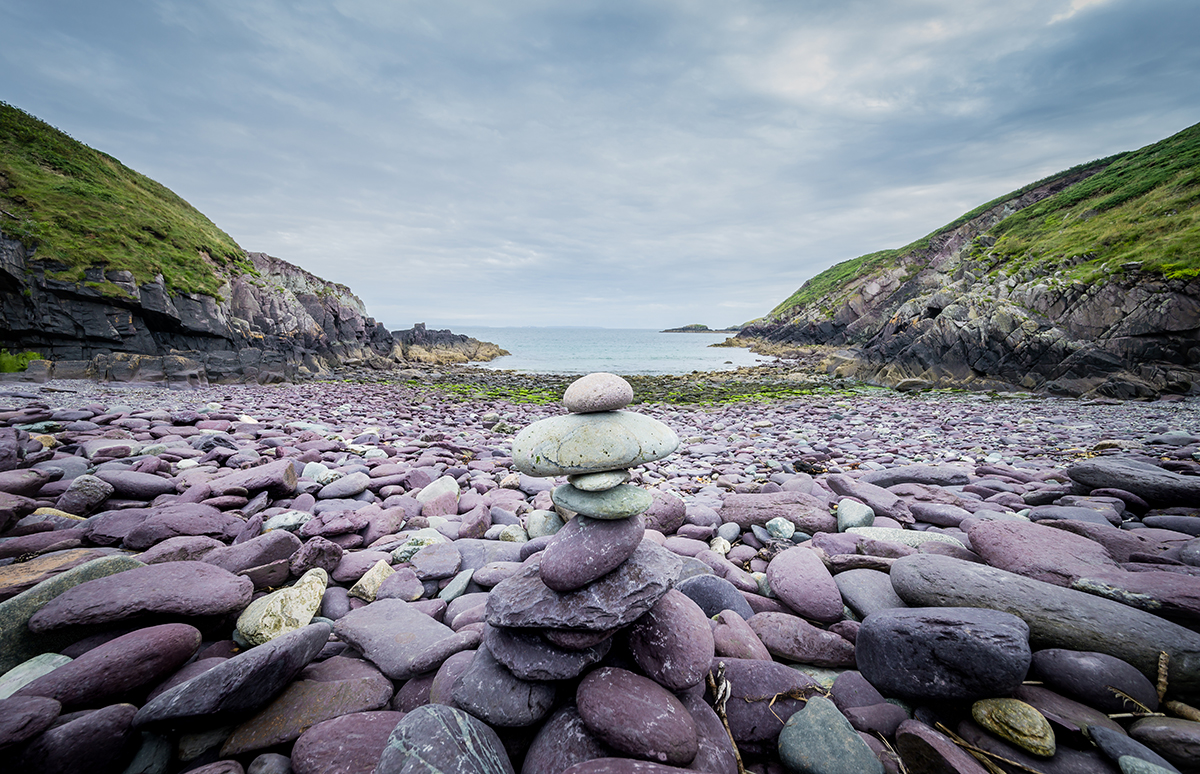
{"x": 698, "y": 328}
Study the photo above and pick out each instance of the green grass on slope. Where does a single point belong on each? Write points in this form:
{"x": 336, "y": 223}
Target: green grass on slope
{"x": 1142, "y": 207}
{"x": 85, "y": 209}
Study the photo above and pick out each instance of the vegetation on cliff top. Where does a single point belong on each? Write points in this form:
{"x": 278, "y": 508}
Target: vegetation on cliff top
{"x": 84, "y": 209}
{"x": 1142, "y": 207}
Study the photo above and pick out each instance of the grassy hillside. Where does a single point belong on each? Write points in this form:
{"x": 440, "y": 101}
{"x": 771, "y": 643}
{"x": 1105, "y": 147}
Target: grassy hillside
{"x": 83, "y": 208}
{"x": 1142, "y": 207}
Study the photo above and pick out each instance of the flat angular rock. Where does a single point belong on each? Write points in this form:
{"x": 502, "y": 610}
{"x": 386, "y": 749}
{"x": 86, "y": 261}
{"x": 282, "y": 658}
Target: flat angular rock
{"x": 799, "y": 578}
{"x": 144, "y": 657}
{"x": 673, "y": 642}
{"x": 619, "y": 502}
{"x": 637, "y": 716}
{"x": 171, "y": 588}
{"x": 177, "y": 519}
{"x": 243, "y": 683}
{"x": 598, "y": 482}
{"x": 530, "y": 657}
{"x": 136, "y": 486}
{"x": 434, "y": 738}
{"x": 101, "y": 741}
{"x": 283, "y": 611}
{"x": 803, "y": 510}
{"x": 943, "y": 653}
{"x": 19, "y": 577}
{"x": 351, "y": 743}
{"x": 493, "y": 694}
{"x": 436, "y": 561}
{"x": 1156, "y": 486}
{"x": 818, "y": 738}
{"x": 85, "y": 494}
{"x": 266, "y": 548}
{"x": 572, "y": 444}
{"x": 524, "y": 601}
{"x": 393, "y": 635}
{"x": 934, "y": 475}
{"x": 1039, "y": 552}
{"x": 791, "y": 637}
{"x": 587, "y": 549}
{"x": 598, "y": 391}
{"x": 1057, "y": 617}
{"x": 867, "y": 591}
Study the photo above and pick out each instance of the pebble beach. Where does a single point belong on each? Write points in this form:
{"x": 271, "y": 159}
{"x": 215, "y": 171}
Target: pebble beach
{"x": 373, "y": 574}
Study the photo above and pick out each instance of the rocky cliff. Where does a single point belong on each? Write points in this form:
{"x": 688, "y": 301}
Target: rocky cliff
{"x": 1032, "y": 291}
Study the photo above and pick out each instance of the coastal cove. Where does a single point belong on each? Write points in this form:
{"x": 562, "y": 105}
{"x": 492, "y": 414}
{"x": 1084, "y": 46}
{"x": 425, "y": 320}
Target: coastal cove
{"x": 582, "y": 350}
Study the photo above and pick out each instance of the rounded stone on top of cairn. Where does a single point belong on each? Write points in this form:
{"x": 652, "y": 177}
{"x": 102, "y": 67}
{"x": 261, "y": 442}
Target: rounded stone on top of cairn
{"x": 597, "y": 392}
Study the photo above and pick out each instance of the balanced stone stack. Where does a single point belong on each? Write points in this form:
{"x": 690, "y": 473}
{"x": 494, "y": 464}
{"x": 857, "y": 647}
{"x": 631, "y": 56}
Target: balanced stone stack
{"x": 556, "y": 618}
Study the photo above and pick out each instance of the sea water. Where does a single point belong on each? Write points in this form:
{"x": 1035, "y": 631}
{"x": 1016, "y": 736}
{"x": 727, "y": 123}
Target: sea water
{"x": 616, "y": 350}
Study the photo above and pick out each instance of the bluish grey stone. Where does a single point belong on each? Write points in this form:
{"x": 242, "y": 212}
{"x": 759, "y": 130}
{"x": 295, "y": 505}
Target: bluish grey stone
{"x": 851, "y": 513}
{"x": 436, "y": 739}
{"x": 572, "y": 444}
{"x": 27, "y": 671}
{"x": 598, "y": 482}
{"x": 620, "y": 502}
{"x": 818, "y": 739}
{"x": 542, "y": 523}
{"x": 490, "y": 692}
{"x": 780, "y": 528}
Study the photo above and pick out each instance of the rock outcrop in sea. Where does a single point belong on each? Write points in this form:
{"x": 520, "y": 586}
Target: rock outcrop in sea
{"x": 363, "y": 578}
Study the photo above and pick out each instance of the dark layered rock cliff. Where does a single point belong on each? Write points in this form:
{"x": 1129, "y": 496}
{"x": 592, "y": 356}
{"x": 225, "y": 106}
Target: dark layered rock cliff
{"x": 983, "y": 303}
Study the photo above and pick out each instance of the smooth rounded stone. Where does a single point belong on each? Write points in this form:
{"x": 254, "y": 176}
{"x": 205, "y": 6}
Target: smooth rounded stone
{"x": 171, "y": 588}
{"x": 1132, "y": 765}
{"x": 905, "y": 537}
{"x": 1074, "y": 513}
{"x": 438, "y": 488}
{"x": 598, "y": 482}
{"x": 1017, "y": 722}
{"x": 943, "y": 653}
{"x": 530, "y": 657}
{"x": 493, "y": 694}
{"x": 587, "y": 549}
{"x": 673, "y": 642}
{"x": 266, "y": 548}
{"x": 561, "y": 742}
{"x": 395, "y": 636}
{"x": 1117, "y": 746}
{"x": 851, "y": 513}
{"x": 436, "y": 561}
{"x": 85, "y": 494}
{"x": 542, "y": 523}
{"x": 923, "y": 749}
{"x": 136, "y": 486}
{"x": 243, "y": 683}
{"x": 494, "y": 572}
{"x": 1088, "y": 676}
{"x": 882, "y": 502}
{"x": 27, "y": 671}
{"x": 103, "y": 741}
{"x": 323, "y": 691}
{"x": 573, "y": 444}
{"x": 1066, "y": 760}
{"x": 283, "y": 611}
{"x": 780, "y": 528}
{"x": 441, "y": 689}
{"x": 763, "y": 695}
{"x": 800, "y": 579}
{"x": 880, "y": 719}
{"x": 620, "y": 502}
{"x": 598, "y": 391}
{"x": 272, "y": 763}
{"x": 809, "y": 514}
{"x": 367, "y": 587}
{"x": 867, "y": 591}
{"x": 524, "y": 601}
{"x": 1067, "y": 714}
{"x": 345, "y": 487}
{"x": 513, "y": 533}
{"x": 1156, "y": 486}
{"x": 714, "y": 594}
{"x": 938, "y": 514}
{"x": 715, "y": 753}
{"x": 17, "y": 642}
{"x": 817, "y": 739}
{"x": 350, "y": 744}
{"x": 435, "y": 738}
{"x": 176, "y": 519}
{"x": 1057, "y": 617}
{"x": 791, "y": 637}
{"x": 667, "y": 511}
{"x": 143, "y": 657}
{"x": 185, "y": 548}
{"x": 1175, "y": 739}
{"x": 637, "y": 716}
{"x": 24, "y": 717}
{"x": 733, "y": 638}
{"x": 729, "y": 530}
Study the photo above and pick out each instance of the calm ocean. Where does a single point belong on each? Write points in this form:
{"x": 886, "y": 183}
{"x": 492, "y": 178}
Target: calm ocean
{"x": 616, "y": 350}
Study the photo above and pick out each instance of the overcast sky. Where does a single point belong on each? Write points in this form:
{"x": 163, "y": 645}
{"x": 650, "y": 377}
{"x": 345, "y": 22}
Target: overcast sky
{"x": 569, "y": 162}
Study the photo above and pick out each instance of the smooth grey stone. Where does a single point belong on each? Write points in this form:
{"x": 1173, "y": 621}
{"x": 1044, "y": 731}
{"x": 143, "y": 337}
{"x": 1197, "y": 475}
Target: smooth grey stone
{"x": 1087, "y": 676}
{"x": 1057, "y": 617}
{"x": 1116, "y": 746}
{"x": 620, "y": 502}
{"x": 496, "y": 696}
{"x": 819, "y": 739}
{"x": 27, "y": 671}
{"x": 729, "y": 531}
{"x": 867, "y": 591}
{"x": 436, "y": 739}
{"x": 573, "y": 444}
{"x": 598, "y": 391}
{"x": 714, "y": 594}
{"x": 851, "y": 513}
{"x": 153, "y": 756}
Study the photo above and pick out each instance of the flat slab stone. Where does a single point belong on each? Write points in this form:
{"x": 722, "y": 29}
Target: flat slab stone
{"x": 572, "y": 444}
{"x": 1156, "y": 486}
{"x": 243, "y": 683}
{"x": 1057, "y": 617}
{"x": 393, "y": 635}
{"x": 530, "y": 657}
{"x": 524, "y": 601}
{"x": 350, "y": 743}
{"x": 171, "y": 588}
{"x": 803, "y": 510}
{"x": 1039, "y": 552}
{"x": 22, "y": 576}
{"x": 619, "y": 502}
{"x": 435, "y": 738}
{"x": 490, "y": 692}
